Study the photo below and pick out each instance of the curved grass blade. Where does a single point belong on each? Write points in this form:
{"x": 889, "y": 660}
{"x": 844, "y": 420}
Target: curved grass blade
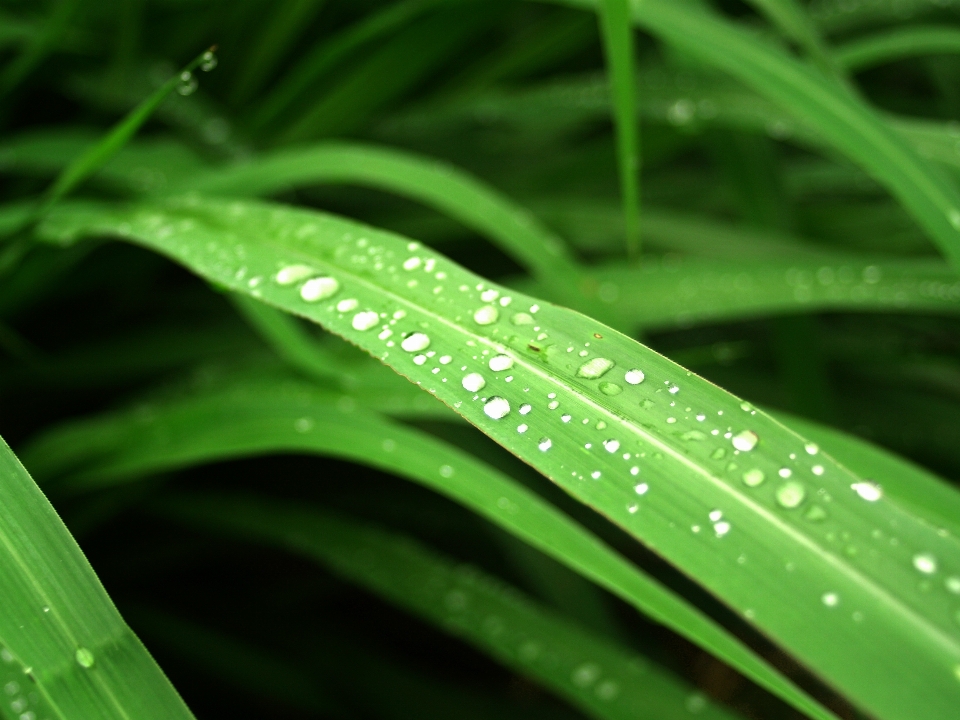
{"x": 436, "y": 184}
{"x": 261, "y": 417}
{"x": 846, "y": 123}
{"x": 898, "y": 44}
{"x": 65, "y": 652}
{"x": 719, "y": 489}
{"x": 593, "y": 674}
{"x": 795, "y": 23}
{"x": 40, "y": 45}
{"x": 617, "y": 34}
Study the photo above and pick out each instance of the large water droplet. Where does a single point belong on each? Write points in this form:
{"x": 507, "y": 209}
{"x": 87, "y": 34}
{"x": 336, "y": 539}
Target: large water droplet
{"x": 500, "y": 362}
{"x": 545, "y": 444}
{"x": 474, "y": 382}
{"x": 869, "y": 491}
{"x": 496, "y": 407}
{"x": 84, "y": 658}
{"x": 365, "y": 320}
{"x": 610, "y": 388}
{"x": 611, "y": 445}
{"x": 721, "y": 528}
{"x": 319, "y": 288}
{"x": 754, "y": 477}
{"x": 925, "y": 563}
{"x": 525, "y": 408}
{"x": 634, "y": 377}
{"x": 415, "y": 342}
{"x": 293, "y": 273}
{"x": 745, "y": 441}
{"x": 595, "y": 368}
{"x": 791, "y": 494}
{"x": 487, "y": 315}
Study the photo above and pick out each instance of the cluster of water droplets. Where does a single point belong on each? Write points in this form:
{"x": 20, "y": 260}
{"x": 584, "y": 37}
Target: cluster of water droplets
{"x": 188, "y": 83}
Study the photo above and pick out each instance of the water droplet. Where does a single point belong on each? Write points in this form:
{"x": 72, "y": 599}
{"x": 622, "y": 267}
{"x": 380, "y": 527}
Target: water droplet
{"x": 347, "y": 305}
{"x": 84, "y": 658}
{"x": 954, "y": 217}
{"x": 496, "y": 408}
{"x": 641, "y": 489}
{"x": 585, "y": 675}
{"x": 565, "y": 418}
{"x": 745, "y": 441}
{"x": 717, "y": 454}
{"x": 544, "y": 444}
{"x": 415, "y": 342}
{"x": 487, "y": 315}
{"x": 474, "y": 382}
{"x": 925, "y": 563}
{"x": 611, "y": 445}
{"x": 319, "y": 288}
{"x": 634, "y": 377}
{"x": 500, "y": 362}
{"x": 953, "y": 584}
{"x": 830, "y": 599}
{"x": 784, "y": 472}
{"x": 419, "y": 359}
{"x": 815, "y": 513}
{"x": 303, "y": 425}
{"x": 817, "y": 470}
{"x": 553, "y": 404}
{"x": 721, "y": 528}
{"x": 595, "y": 474}
{"x": 609, "y": 388}
{"x": 791, "y": 494}
{"x": 490, "y": 295}
{"x": 692, "y": 435}
{"x": 188, "y": 83}
{"x": 869, "y": 491}
{"x": 525, "y": 408}
{"x": 811, "y": 448}
{"x": 412, "y": 263}
{"x": 208, "y": 62}
{"x": 293, "y": 273}
{"x": 365, "y": 320}
{"x": 673, "y": 389}
{"x": 446, "y": 471}
{"x": 608, "y": 690}
{"x": 522, "y": 428}
{"x": 715, "y": 515}
{"x": 754, "y": 477}
{"x": 522, "y": 318}
{"x": 634, "y": 470}
{"x": 595, "y": 368}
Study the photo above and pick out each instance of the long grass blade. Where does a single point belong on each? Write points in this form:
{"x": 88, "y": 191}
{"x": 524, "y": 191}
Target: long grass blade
{"x": 898, "y": 44}
{"x": 680, "y": 464}
{"x": 65, "y": 652}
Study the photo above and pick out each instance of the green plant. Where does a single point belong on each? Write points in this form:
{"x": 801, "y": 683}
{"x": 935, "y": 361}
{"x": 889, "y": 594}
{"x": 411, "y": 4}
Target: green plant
{"x": 605, "y": 532}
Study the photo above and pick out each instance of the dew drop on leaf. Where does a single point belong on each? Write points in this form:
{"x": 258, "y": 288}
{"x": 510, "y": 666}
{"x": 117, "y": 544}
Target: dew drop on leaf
{"x": 869, "y": 491}
{"x": 610, "y": 388}
{"x": 634, "y": 377}
{"x": 830, "y": 599}
{"x": 811, "y": 448}
{"x": 292, "y": 274}
{"x": 545, "y": 444}
{"x": 415, "y": 342}
{"x": 925, "y": 563}
{"x": 815, "y": 513}
{"x": 791, "y": 494}
{"x": 611, "y": 445}
{"x": 412, "y": 263}
{"x": 319, "y": 288}
{"x": 641, "y": 489}
{"x": 208, "y": 62}
{"x": 487, "y": 315}
{"x": 84, "y": 658}
{"x": 365, "y": 320}
{"x": 496, "y": 407}
{"x": 474, "y": 382}
{"x": 595, "y": 368}
{"x": 952, "y": 584}
{"x": 525, "y": 408}
{"x": 522, "y": 318}
{"x": 188, "y": 83}
{"x": 754, "y": 477}
{"x": 347, "y": 305}
{"x": 745, "y": 441}
{"x": 500, "y": 362}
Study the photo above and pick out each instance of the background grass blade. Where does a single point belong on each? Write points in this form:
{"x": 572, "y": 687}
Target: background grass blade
{"x": 621, "y": 428}
{"x": 252, "y": 418}
{"x": 897, "y": 44}
{"x": 617, "y": 35}
{"x": 594, "y": 675}
{"x": 65, "y": 652}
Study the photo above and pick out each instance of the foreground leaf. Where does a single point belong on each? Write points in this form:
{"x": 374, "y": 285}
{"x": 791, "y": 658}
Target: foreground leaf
{"x": 65, "y": 652}
{"x": 722, "y": 491}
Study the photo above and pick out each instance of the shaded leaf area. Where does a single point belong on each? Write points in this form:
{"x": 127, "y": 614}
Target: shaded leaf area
{"x": 637, "y": 423}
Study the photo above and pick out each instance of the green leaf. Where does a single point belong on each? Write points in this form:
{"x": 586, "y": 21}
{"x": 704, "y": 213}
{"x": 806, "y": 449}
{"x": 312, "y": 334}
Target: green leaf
{"x": 250, "y": 418}
{"x": 898, "y": 44}
{"x": 618, "y": 46}
{"x": 65, "y": 652}
{"x": 602, "y": 679}
{"x": 722, "y": 491}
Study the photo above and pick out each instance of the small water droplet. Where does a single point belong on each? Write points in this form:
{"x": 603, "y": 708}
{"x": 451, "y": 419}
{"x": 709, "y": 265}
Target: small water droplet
{"x": 208, "y": 62}
{"x": 609, "y": 388}
{"x": 718, "y": 454}
{"x": 692, "y": 435}
{"x": 673, "y": 390}
{"x": 522, "y": 428}
{"x": 488, "y": 296}
{"x": 784, "y": 472}
{"x": 496, "y": 408}
{"x": 634, "y": 377}
{"x": 188, "y": 83}
{"x": 611, "y": 445}
{"x": 319, "y": 288}
{"x": 791, "y": 494}
{"x": 412, "y": 263}
{"x": 522, "y": 318}
{"x": 585, "y": 675}
{"x": 754, "y": 477}
{"x": 925, "y": 563}
{"x": 84, "y": 658}
{"x": 293, "y": 273}
{"x": 815, "y": 513}
{"x": 817, "y": 470}
{"x": 303, "y": 425}
{"x": 634, "y": 470}
{"x": 811, "y": 448}
{"x": 415, "y": 342}
{"x": 446, "y": 471}
{"x": 715, "y": 515}
{"x": 869, "y": 491}
{"x": 474, "y": 382}
{"x": 954, "y": 217}
{"x": 487, "y": 315}
{"x": 544, "y": 444}
{"x": 347, "y": 305}
{"x": 952, "y": 584}
{"x": 365, "y": 320}
{"x": 830, "y": 599}
{"x": 745, "y": 441}
{"x": 595, "y": 368}
{"x": 525, "y": 408}
{"x": 565, "y": 418}
{"x": 641, "y": 489}
{"x": 500, "y": 362}
{"x": 721, "y": 528}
